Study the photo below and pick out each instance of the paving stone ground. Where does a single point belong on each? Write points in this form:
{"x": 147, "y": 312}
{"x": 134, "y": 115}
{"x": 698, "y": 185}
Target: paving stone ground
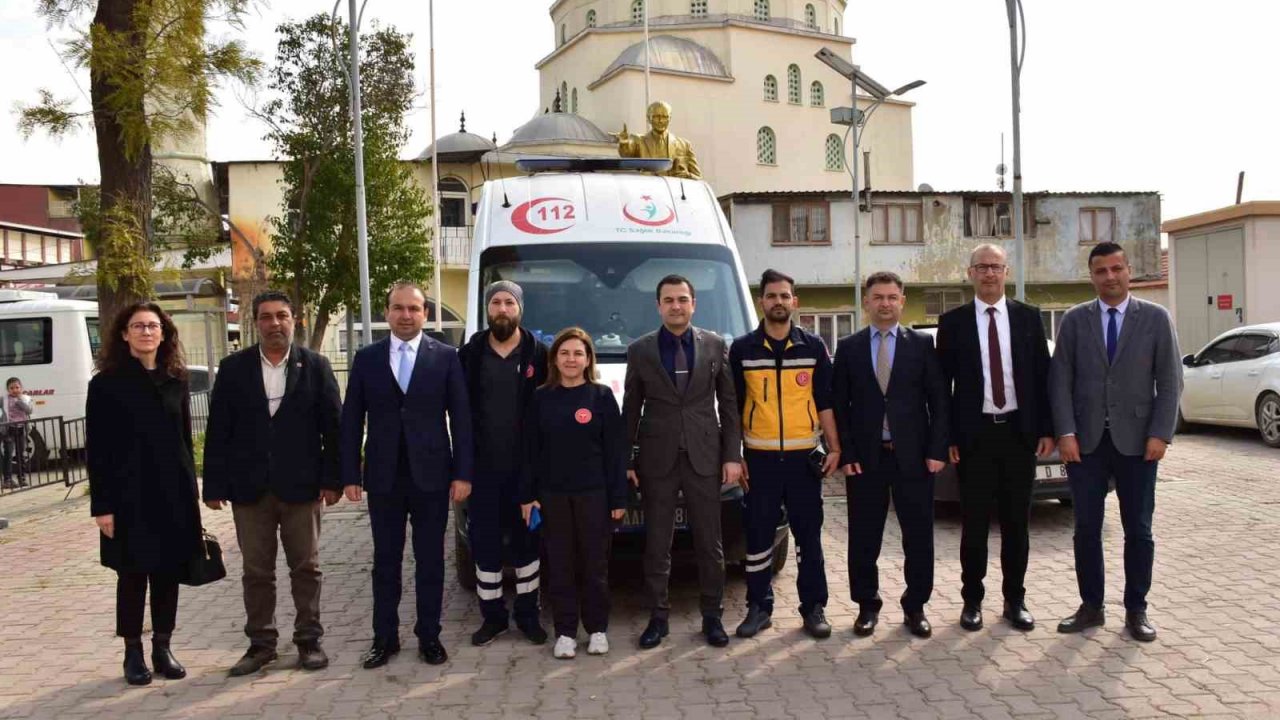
{"x": 1215, "y": 601}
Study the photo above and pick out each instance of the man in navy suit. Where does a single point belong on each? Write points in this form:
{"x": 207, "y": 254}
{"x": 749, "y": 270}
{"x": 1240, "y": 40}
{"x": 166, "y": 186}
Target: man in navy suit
{"x": 406, "y": 384}
{"x": 891, "y": 407}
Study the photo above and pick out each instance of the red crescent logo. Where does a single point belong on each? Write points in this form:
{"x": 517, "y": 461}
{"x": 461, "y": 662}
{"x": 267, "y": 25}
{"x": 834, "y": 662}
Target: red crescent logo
{"x": 802, "y": 378}
{"x": 528, "y": 372}
{"x": 561, "y": 217}
{"x": 583, "y": 416}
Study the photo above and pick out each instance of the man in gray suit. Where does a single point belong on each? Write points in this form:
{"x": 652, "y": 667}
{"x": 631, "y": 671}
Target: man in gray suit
{"x": 1114, "y": 385}
{"x": 675, "y": 377}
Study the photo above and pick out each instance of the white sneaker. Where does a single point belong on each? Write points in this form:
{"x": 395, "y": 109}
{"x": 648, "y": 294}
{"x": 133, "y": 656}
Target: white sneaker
{"x": 598, "y": 645}
{"x": 566, "y": 648}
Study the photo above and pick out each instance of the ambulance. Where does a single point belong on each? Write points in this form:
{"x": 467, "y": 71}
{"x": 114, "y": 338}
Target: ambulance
{"x": 588, "y": 240}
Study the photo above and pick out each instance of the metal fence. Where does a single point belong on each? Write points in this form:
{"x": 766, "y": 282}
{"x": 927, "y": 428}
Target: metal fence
{"x": 41, "y": 452}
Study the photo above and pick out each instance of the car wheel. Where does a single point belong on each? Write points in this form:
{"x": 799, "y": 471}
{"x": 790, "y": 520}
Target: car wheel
{"x": 462, "y": 561}
{"x": 1268, "y": 417}
{"x": 37, "y": 451}
{"x": 780, "y": 555}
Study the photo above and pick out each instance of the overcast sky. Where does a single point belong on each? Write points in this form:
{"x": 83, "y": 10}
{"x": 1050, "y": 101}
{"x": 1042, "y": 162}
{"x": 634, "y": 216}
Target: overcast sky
{"x": 1117, "y": 94}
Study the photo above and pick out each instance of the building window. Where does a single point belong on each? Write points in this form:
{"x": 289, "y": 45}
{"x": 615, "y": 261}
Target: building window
{"x": 637, "y": 11}
{"x": 564, "y": 97}
{"x": 801, "y": 223}
{"x": 817, "y": 96}
{"x": 591, "y": 18}
{"x": 698, "y": 8}
{"x": 793, "y": 85}
{"x": 989, "y": 219}
{"x": 835, "y": 22}
{"x": 62, "y": 202}
{"x": 762, "y": 10}
{"x": 1052, "y": 319}
{"x": 766, "y": 147}
{"x": 573, "y": 105}
{"x": 830, "y": 326}
{"x": 770, "y": 88}
{"x": 1097, "y": 225}
{"x": 939, "y": 300}
{"x": 810, "y": 17}
{"x": 895, "y": 224}
{"x": 835, "y": 153}
{"x": 564, "y": 33}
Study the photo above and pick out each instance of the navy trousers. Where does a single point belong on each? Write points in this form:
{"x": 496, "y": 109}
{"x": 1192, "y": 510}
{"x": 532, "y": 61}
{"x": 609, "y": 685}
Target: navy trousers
{"x": 428, "y": 512}
{"x": 869, "y": 495}
{"x": 494, "y": 515}
{"x": 1136, "y": 490}
{"x": 777, "y": 479}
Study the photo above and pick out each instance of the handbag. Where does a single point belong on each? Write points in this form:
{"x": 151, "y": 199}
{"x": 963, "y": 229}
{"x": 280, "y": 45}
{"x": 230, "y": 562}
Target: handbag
{"x": 205, "y": 565}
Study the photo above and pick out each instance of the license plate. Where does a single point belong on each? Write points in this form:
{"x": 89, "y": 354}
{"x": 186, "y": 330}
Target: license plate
{"x": 1051, "y": 473}
{"x": 635, "y": 517}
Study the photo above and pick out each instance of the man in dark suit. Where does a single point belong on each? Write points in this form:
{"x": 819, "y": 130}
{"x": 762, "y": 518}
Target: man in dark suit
{"x": 995, "y": 360}
{"x": 271, "y": 450}
{"x": 1114, "y": 383}
{"x": 891, "y": 408}
{"x": 405, "y": 385}
{"x": 675, "y": 378}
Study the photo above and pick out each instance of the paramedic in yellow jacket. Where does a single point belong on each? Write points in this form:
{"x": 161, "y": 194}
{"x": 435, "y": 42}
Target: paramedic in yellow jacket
{"x": 783, "y": 378}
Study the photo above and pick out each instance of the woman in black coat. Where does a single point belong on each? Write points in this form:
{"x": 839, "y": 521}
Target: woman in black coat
{"x": 142, "y": 478}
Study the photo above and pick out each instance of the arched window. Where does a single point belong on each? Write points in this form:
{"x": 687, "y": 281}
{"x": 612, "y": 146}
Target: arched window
{"x": 564, "y": 33}
{"x": 698, "y": 8}
{"x": 836, "y": 25}
{"x": 810, "y": 17}
{"x": 591, "y": 18}
{"x": 762, "y": 10}
{"x": 793, "y": 85}
{"x": 564, "y": 97}
{"x": 835, "y": 153}
{"x": 450, "y": 183}
{"x": 766, "y": 147}
{"x": 637, "y": 11}
{"x": 770, "y": 88}
{"x": 817, "y": 97}
{"x": 574, "y": 104}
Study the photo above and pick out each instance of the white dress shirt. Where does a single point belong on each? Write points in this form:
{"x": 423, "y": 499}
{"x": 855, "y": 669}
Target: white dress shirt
{"x": 273, "y": 379}
{"x": 1006, "y": 356}
{"x": 397, "y": 348}
{"x": 1106, "y": 318}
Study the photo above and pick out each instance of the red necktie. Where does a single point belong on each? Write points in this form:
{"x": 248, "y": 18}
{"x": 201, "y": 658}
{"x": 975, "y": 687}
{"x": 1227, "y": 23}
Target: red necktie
{"x": 994, "y": 362}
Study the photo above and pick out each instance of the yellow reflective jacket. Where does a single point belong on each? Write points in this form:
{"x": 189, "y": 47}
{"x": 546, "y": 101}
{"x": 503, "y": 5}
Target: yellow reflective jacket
{"x": 780, "y": 395}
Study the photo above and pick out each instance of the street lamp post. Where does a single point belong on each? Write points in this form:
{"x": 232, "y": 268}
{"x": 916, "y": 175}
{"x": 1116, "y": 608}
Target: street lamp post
{"x": 1014, "y": 10}
{"x": 856, "y": 121}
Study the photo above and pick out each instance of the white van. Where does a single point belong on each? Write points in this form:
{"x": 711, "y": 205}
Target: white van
{"x": 49, "y": 344}
{"x": 588, "y": 249}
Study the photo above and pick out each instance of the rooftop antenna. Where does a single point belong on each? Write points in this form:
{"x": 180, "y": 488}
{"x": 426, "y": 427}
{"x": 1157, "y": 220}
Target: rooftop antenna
{"x": 1001, "y": 169}
{"x": 462, "y": 126}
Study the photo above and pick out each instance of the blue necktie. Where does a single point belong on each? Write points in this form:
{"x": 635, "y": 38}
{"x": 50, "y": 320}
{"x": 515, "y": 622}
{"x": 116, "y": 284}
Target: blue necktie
{"x": 1111, "y": 335}
{"x": 406, "y": 367}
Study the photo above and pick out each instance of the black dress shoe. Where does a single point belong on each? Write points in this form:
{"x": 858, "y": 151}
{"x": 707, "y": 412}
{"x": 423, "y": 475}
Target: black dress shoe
{"x": 1018, "y": 617}
{"x": 487, "y": 633}
{"x": 380, "y": 654}
{"x": 1087, "y": 616}
{"x": 653, "y": 633}
{"x": 866, "y": 622}
{"x": 1139, "y": 627}
{"x": 713, "y": 630}
{"x": 533, "y": 631}
{"x": 918, "y": 624}
{"x": 815, "y": 623}
{"x": 432, "y": 652}
{"x": 311, "y": 656}
{"x": 136, "y": 671}
{"x": 254, "y": 659}
{"x": 971, "y": 617}
{"x": 162, "y": 659}
{"x": 757, "y": 619}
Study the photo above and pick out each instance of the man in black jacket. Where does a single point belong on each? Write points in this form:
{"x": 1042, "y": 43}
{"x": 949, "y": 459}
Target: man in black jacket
{"x": 271, "y": 450}
{"x": 502, "y": 365}
{"x": 995, "y": 358}
{"x": 891, "y": 408}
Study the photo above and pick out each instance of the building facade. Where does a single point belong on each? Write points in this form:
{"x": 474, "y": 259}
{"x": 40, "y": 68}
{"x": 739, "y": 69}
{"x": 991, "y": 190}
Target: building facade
{"x": 38, "y": 225}
{"x": 926, "y": 237}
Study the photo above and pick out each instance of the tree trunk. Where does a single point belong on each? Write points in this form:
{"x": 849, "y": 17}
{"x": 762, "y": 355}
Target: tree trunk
{"x": 323, "y": 311}
{"x": 124, "y": 267}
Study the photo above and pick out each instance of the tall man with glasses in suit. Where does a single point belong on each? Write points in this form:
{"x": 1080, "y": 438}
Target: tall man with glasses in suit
{"x": 1114, "y": 385}
{"x": 995, "y": 361}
